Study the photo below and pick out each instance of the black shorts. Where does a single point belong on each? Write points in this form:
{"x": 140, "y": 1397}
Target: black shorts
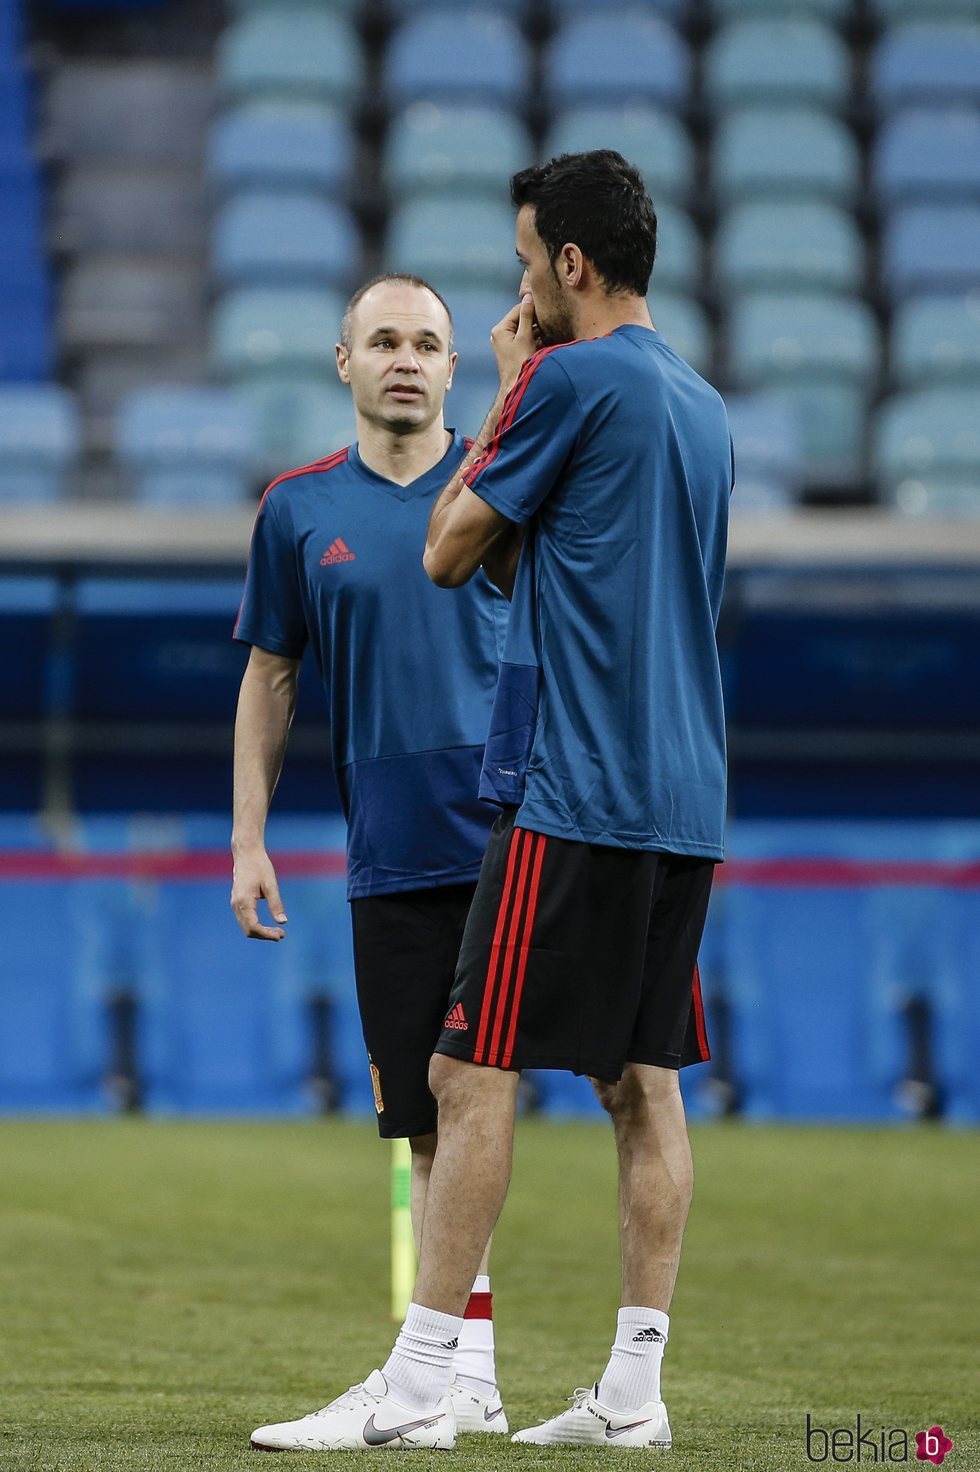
{"x": 580, "y": 956}
{"x": 405, "y": 951}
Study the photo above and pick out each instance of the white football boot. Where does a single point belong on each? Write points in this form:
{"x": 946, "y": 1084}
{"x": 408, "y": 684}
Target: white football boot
{"x": 364, "y": 1417}
{"x": 588, "y": 1423}
{"x": 476, "y": 1412}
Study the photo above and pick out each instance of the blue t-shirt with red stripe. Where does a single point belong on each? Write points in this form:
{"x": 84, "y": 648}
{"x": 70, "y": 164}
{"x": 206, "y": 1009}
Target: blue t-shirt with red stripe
{"x": 409, "y": 669}
{"x": 608, "y": 724}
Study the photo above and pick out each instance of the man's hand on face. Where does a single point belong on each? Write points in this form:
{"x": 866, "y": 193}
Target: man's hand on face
{"x": 515, "y": 339}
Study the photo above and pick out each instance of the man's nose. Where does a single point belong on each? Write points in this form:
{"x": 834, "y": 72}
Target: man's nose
{"x": 525, "y": 284}
{"x": 405, "y": 359}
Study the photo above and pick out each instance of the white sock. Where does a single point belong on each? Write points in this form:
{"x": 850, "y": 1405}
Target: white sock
{"x": 420, "y": 1367}
{"x": 474, "y": 1363}
{"x": 632, "y": 1376}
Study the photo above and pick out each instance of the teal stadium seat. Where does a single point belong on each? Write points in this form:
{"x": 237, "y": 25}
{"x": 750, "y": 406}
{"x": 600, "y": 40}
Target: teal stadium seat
{"x": 284, "y": 239}
{"x": 269, "y": 331}
{"x": 297, "y": 420}
{"x": 656, "y": 142}
{"x": 794, "y": 61}
{"x": 927, "y": 452}
{"x": 469, "y": 150}
{"x": 294, "y": 52}
{"x": 452, "y": 246}
{"x": 819, "y": 354}
{"x": 678, "y": 263}
{"x": 187, "y": 446}
{"x": 936, "y": 340}
{"x": 795, "y": 152}
{"x": 472, "y": 56}
{"x": 40, "y": 442}
{"x": 806, "y": 244}
{"x": 349, "y": 8}
{"x": 275, "y": 144}
{"x": 890, "y": 12}
{"x": 621, "y": 55}
{"x": 837, "y": 12}
{"x": 685, "y": 326}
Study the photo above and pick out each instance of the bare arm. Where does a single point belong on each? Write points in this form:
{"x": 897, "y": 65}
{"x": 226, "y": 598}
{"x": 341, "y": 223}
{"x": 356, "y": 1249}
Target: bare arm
{"x": 266, "y": 704}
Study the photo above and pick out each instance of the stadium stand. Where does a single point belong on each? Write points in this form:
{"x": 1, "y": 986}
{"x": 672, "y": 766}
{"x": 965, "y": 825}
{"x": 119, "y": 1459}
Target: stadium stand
{"x": 462, "y": 150}
{"x": 618, "y": 56}
{"x": 283, "y": 239}
{"x": 928, "y": 154}
{"x": 40, "y": 441}
{"x": 786, "y": 152}
{"x": 794, "y": 60}
{"x": 466, "y": 55}
{"x": 276, "y": 143}
{"x": 657, "y": 143}
{"x": 290, "y": 51}
{"x": 187, "y": 446}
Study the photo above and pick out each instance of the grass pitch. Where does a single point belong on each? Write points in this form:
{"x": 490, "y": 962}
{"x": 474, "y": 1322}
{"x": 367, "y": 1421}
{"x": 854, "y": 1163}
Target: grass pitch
{"x": 166, "y": 1286}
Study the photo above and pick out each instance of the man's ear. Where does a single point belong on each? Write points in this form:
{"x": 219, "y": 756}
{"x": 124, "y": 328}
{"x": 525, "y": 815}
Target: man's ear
{"x": 570, "y": 265}
{"x": 453, "y": 360}
{"x": 343, "y": 354}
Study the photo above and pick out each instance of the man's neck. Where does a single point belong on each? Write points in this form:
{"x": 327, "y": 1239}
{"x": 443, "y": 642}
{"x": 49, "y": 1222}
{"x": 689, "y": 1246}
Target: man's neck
{"x": 603, "y": 314}
{"x": 401, "y": 458}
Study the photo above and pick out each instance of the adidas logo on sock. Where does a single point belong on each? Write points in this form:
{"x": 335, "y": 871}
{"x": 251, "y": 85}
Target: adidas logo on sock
{"x": 649, "y": 1336}
{"x": 456, "y": 1021}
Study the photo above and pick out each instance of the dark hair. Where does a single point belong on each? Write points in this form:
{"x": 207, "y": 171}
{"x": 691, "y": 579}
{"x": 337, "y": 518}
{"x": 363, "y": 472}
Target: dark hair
{"x": 600, "y": 203}
{"x": 403, "y": 277}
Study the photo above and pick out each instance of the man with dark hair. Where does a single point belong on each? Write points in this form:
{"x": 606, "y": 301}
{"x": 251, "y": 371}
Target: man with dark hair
{"x": 612, "y": 460}
{"x": 410, "y": 678}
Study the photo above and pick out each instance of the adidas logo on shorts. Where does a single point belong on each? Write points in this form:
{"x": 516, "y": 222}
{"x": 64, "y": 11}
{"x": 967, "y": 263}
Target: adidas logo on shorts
{"x": 456, "y": 1021}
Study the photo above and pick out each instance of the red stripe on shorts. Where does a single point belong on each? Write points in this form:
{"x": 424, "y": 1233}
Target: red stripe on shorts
{"x": 510, "y": 951}
{"x": 699, "y": 1016}
{"x": 488, "y": 990}
{"x": 532, "y": 906}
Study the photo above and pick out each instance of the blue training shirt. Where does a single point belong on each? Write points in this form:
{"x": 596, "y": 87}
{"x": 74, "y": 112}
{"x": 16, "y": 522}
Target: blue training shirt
{"x": 608, "y": 725}
{"x": 409, "y": 669}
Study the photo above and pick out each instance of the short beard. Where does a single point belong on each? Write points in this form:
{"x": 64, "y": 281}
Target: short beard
{"x": 559, "y": 327}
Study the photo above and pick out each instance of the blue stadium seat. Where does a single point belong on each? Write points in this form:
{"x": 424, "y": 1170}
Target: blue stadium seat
{"x": 475, "y": 311}
{"x": 805, "y": 244}
{"x": 795, "y": 152}
{"x": 889, "y": 12}
{"x": 186, "y": 446}
{"x": 618, "y": 56}
{"x": 465, "y": 150}
{"x": 14, "y": 104}
{"x": 678, "y": 263}
{"x": 283, "y": 239}
{"x": 291, "y": 52}
{"x": 932, "y": 248}
{"x": 26, "y": 349}
{"x": 924, "y": 63}
{"x": 400, "y": 10}
{"x": 438, "y": 240}
{"x": 473, "y": 57}
{"x": 834, "y": 11}
{"x": 20, "y": 216}
{"x": 40, "y": 441}
{"x": 927, "y": 451}
{"x": 272, "y": 330}
{"x": 685, "y": 326}
{"x": 342, "y": 7}
{"x": 672, "y": 10}
{"x": 657, "y": 143}
{"x": 928, "y": 154}
{"x": 793, "y": 61}
{"x": 769, "y": 462}
{"x": 935, "y": 340}
{"x": 298, "y": 420}
{"x": 275, "y": 144}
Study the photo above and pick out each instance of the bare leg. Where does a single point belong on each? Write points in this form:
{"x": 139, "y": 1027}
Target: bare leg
{"x": 423, "y": 1154}
{"x": 656, "y": 1179}
{"x": 469, "y": 1178}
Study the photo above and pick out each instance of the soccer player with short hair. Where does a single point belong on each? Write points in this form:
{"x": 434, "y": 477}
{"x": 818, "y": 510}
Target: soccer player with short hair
{"x": 410, "y": 676}
{"x": 606, "y": 755}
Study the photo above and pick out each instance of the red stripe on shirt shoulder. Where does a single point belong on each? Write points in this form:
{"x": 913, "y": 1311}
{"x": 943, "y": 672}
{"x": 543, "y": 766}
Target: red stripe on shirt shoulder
{"x": 509, "y": 411}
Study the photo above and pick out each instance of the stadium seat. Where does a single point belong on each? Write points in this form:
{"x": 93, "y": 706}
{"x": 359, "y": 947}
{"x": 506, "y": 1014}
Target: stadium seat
{"x": 473, "y": 56}
{"x": 932, "y": 248}
{"x": 26, "y": 348}
{"x": 130, "y": 301}
{"x": 890, "y": 12}
{"x": 936, "y": 339}
{"x": 139, "y": 208}
{"x": 283, "y": 239}
{"x": 298, "y": 420}
{"x": 769, "y": 467}
{"x": 685, "y": 326}
{"x": 618, "y": 56}
{"x": 401, "y": 10}
{"x": 40, "y": 441}
{"x": 186, "y": 446}
{"x": 280, "y": 144}
{"x": 349, "y": 8}
{"x": 655, "y": 142}
{"x": 151, "y": 111}
{"x": 924, "y": 63}
{"x": 834, "y": 11}
{"x": 293, "y": 52}
{"x": 446, "y": 244}
{"x": 927, "y": 451}
{"x": 793, "y": 61}
{"x": 806, "y": 244}
{"x": 786, "y": 151}
{"x": 267, "y": 331}
{"x": 475, "y": 311}
{"x": 678, "y": 263}
{"x": 463, "y": 150}
{"x": 928, "y": 155}
{"x": 470, "y": 398}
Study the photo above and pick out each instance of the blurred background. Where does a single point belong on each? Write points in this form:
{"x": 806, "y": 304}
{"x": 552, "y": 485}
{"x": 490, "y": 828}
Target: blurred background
{"x": 188, "y": 192}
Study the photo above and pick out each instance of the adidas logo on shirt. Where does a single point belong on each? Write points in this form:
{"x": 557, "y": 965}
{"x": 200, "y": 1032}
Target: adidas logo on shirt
{"x": 338, "y": 551}
{"x": 456, "y": 1021}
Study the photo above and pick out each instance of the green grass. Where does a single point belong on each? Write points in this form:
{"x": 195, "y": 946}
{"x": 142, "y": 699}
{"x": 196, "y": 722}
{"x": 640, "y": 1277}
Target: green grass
{"x": 164, "y": 1287}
